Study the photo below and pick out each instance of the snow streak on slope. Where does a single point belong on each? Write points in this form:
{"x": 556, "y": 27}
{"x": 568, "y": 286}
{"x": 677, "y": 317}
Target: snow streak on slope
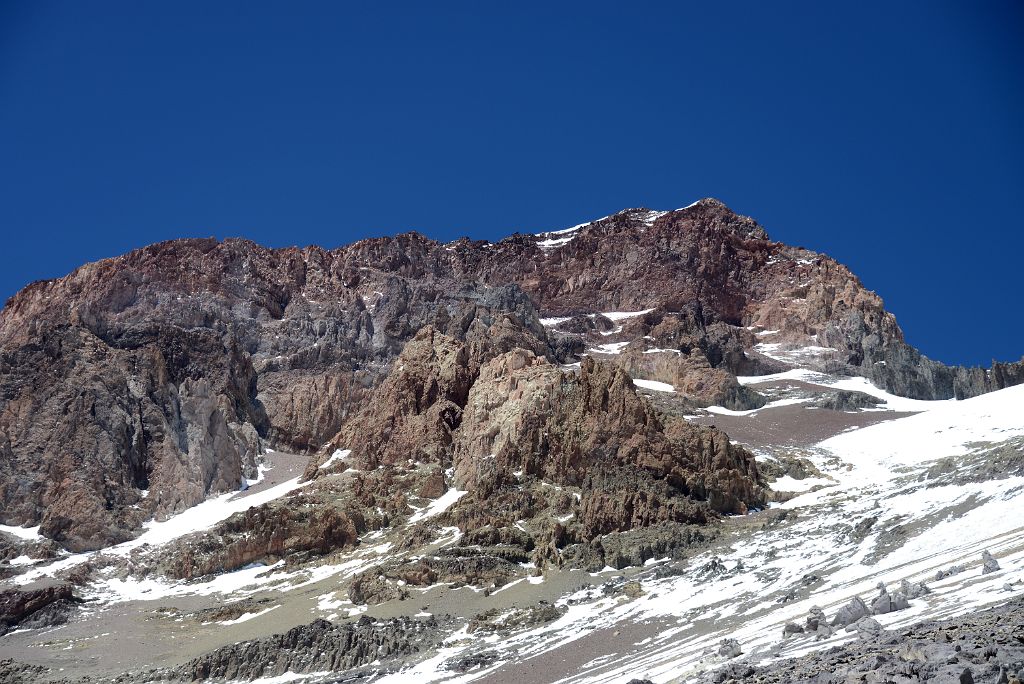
{"x": 557, "y": 238}
{"x": 200, "y": 517}
{"x": 893, "y": 402}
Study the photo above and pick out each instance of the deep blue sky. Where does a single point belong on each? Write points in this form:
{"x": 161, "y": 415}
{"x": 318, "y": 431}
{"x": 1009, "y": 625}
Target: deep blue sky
{"x": 887, "y": 135}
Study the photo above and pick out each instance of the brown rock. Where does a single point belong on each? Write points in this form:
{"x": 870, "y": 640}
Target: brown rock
{"x": 17, "y": 604}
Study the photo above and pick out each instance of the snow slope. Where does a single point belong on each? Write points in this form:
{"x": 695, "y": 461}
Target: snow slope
{"x": 879, "y": 472}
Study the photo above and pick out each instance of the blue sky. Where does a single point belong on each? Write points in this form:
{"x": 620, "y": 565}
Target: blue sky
{"x": 887, "y": 135}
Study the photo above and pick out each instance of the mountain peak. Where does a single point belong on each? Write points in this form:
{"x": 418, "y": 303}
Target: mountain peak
{"x": 708, "y": 213}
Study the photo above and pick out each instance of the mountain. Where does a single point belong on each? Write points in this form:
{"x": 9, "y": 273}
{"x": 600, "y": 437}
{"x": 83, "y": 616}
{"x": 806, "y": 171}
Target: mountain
{"x": 635, "y": 405}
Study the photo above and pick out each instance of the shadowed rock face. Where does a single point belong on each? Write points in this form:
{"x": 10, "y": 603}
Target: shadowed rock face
{"x": 136, "y": 386}
{"x": 90, "y": 426}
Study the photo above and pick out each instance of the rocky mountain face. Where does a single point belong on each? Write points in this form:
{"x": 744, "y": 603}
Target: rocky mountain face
{"x": 577, "y": 455}
{"x": 137, "y": 386}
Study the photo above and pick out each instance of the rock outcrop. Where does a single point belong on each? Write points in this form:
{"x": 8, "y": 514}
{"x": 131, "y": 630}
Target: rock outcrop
{"x": 19, "y": 606}
{"x": 266, "y": 534}
{"x": 319, "y": 646}
{"x": 546, "y": 461}
{"x": 526, "y": 419}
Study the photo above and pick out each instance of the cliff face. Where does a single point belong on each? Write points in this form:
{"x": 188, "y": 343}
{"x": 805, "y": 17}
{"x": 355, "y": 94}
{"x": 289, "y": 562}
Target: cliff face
{"x": 136, "y": 386}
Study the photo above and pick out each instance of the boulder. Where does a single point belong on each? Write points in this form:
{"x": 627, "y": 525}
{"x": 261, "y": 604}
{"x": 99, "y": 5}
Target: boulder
{"x": 791, "y": 629}
{"x": 851, "y": 612}
{"x": 887, "y": 603}
{"x": 913, "y": 590}
{"x": 866, "y": 627}
{"x": 729, "y": 648}
{"x": 989, "y": 564}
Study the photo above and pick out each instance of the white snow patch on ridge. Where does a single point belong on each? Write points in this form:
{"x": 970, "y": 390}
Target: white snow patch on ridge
{"x": 654, "y": 385}
{"x": 557, "y": 238}
{"x": 203, "y": 516}
{"x": 438, "y": 505}
{"x": 610, "y": 348}
{"x": 651, "y": 216}
{"x": 857, "y": 384}
{"x": 200, "y": 517}
{"x": 616, "y": 316}
{"x": 788, "y": 483}
{"x": 554, "y": 242}
{"x": 945, "y": 430}
{"x": 26, "y": 533}
{"x": 780, "y": 351}
{"x": 338, "y": 455}
{"x": 721, "y": 410}
{"x": 245, "y": 617}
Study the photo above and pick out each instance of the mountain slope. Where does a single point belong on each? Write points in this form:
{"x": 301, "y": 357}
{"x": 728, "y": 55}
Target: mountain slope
{"x": 475, "y": 461}
{"x": 144, "y": 383}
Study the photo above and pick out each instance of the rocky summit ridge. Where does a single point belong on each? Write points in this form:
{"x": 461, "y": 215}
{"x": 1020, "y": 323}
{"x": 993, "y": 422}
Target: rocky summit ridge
{"x": 409, "y": 417}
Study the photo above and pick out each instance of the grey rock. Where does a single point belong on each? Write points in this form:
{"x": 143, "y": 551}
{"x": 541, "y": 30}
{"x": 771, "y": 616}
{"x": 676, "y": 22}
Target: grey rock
{"x": 913, "y": 590}
{"x": 851, "y": 612}
{"x": 38, "y": 607}
{"x": 13, "y": 672}
{"x": 729, "y": 648}
{"x": 846, "y": 400}
{"x": 815, "y": 617}
{"x": 316, "y": 647}
{"x": 470, "y": 662}
{"x": 985, "y": 646}
{"x": 791, "y": 628}
{"x": 634, "y": 547}
{"x": 948, "y": 572}
{"x": 887, "y": 603}
{"x": 989, "y": 564}
{"x": 866, "y": 627}
{"x": 56, "y": 613}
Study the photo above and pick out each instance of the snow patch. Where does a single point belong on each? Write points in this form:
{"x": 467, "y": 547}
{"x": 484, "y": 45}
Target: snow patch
{"x": 438, "y": 505}
{"x": 610, "y": 348}
{"x": 616, "y": 316}
{"x": 26, "y": 533}
{"x": 654, "y": 385}
{"x": 338, "y": 455}
{"x": 246, "y": 617}
{"x": 721, "y": 410}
